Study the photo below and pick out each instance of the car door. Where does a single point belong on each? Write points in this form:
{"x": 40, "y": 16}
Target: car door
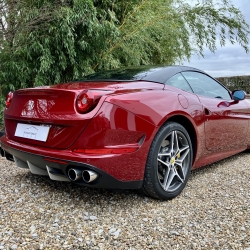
{"x": 226, "y": 121}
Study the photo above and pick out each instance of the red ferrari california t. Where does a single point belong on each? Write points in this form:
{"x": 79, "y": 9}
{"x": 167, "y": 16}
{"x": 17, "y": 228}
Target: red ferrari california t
{"x": 134, "y": 128}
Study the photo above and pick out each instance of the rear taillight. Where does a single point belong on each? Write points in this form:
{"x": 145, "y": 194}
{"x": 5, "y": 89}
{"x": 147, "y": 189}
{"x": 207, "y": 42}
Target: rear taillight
{"x": 88, "y": 99}
{"x": 84, "y": 102}
{"x": 8, "y": 99}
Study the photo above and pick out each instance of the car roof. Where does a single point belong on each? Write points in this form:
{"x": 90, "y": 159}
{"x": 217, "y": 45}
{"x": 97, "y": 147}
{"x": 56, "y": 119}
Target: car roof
{"x": 147, "y": 73}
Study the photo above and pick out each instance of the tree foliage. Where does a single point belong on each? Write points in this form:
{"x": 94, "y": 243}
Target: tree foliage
{"x": 48, "y": 41}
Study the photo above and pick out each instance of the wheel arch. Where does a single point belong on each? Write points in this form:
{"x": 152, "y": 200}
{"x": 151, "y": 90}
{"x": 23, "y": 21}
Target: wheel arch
{"x": 188, "y": 125}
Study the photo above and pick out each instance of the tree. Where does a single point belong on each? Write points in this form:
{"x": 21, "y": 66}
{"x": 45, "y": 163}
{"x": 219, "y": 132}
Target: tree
{"x": 44, "y": 42}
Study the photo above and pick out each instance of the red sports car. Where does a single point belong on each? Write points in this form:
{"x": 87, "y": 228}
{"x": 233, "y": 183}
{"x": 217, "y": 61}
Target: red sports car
{"x": 135, "y": 128}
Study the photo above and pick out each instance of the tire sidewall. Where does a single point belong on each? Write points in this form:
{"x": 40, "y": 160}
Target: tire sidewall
{"x": 152, "y": 162}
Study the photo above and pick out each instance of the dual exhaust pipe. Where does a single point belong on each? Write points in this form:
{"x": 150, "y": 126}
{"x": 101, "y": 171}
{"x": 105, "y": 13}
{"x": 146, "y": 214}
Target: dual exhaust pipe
{"x": 87, "y": 175}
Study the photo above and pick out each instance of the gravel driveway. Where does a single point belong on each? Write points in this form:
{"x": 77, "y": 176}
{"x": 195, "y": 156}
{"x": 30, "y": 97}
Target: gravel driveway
{"x": 213, "y": 212}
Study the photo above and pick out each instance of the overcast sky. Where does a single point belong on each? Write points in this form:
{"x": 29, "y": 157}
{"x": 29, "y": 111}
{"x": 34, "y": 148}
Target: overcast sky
{"x": 230, "y": 60}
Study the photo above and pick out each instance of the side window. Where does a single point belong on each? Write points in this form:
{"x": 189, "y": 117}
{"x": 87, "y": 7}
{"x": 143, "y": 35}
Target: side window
{"x": 179, "y": 82}
{"x": 205, "y": 86}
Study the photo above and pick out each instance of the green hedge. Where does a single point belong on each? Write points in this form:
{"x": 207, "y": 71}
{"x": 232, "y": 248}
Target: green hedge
{"x": 236, "y": 82}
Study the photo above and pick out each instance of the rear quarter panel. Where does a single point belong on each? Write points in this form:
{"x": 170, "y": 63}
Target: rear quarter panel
{"x": 159, "y": 106}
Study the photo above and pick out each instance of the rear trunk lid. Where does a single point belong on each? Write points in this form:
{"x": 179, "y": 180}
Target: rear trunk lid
{"x": 45, "y": 107}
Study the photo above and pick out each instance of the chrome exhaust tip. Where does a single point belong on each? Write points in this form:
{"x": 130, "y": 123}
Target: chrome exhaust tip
{"x": 89, "y": 176}
{"x": 2, "y": 152}
{"x": 74, "y": 174}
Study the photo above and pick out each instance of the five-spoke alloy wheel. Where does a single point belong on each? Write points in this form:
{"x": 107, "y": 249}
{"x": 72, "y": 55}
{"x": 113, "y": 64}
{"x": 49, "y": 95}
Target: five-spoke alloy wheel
{"x": 169, "y": 162}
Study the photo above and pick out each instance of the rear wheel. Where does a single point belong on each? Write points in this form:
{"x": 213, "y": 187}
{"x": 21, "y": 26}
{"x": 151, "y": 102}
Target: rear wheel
{"x": 169, "y": 162}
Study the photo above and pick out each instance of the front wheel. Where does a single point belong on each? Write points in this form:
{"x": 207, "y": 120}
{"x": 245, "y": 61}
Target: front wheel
{"x": 169, "y": 162}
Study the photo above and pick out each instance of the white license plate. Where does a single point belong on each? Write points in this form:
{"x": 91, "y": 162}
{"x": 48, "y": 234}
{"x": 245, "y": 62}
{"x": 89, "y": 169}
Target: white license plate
{"x": 33, "y": 132}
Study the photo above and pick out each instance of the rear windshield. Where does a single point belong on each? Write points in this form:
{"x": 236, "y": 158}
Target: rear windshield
{"x": 133, "y": 73}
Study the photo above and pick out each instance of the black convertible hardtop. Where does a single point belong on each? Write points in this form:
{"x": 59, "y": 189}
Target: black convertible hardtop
{"x": 158, "y": 74}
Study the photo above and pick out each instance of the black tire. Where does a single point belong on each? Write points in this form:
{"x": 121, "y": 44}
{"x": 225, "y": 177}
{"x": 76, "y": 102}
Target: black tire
{"x": 168, "y": 167}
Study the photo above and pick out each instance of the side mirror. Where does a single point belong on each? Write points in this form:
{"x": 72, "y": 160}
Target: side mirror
{"x": 238, "y": 95}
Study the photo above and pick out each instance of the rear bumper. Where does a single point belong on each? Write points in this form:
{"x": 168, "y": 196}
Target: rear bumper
{"x": 57, "y": 169}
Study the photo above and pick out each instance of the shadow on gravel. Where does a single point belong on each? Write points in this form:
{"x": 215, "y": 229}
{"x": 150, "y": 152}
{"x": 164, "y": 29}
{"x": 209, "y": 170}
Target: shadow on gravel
{"x": 70, "y": 193}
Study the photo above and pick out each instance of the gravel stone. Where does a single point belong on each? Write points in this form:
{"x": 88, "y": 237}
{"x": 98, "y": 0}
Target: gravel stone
{"x": 112, "y": 230}
{"x": 116, "y": 233}
{"x": 35, "y": 235}
{"x": 100, "y": 231}
{"x": 212, "y": 212}
{"x": 85, "y": 218}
